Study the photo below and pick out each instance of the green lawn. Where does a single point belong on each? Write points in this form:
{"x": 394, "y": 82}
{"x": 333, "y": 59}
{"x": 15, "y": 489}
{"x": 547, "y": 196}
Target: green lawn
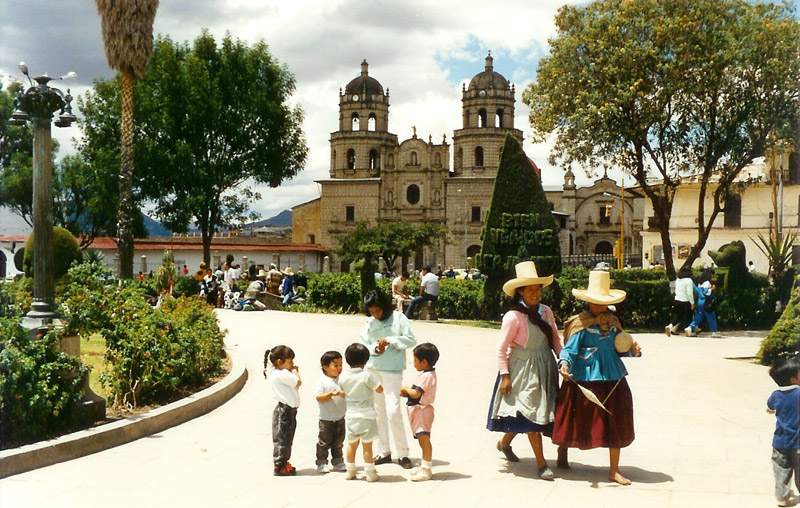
{"x": 92, "y": 352}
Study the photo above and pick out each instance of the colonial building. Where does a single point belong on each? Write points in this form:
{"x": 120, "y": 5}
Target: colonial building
{"x": 375, "y": 178}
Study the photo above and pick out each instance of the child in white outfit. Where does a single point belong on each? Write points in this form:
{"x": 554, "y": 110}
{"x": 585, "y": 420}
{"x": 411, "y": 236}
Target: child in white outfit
{"x": 359, "y": 387}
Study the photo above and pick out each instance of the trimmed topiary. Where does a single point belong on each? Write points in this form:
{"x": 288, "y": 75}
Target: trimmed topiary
{"x": 519, "y": 225}
{"x": 783, "y": 340}
{"x": 18, "y": 259}
{"x": 65, "y": 251}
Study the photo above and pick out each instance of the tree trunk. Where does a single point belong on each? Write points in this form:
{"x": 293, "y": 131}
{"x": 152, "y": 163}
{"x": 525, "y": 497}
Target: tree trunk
{"x": 125, "y": 213}
{"x": 207, "y": 237}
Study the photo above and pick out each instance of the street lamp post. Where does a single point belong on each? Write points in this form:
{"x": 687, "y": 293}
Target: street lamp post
{"x": 466, "y": 224}
{"x": 37, "y": 105}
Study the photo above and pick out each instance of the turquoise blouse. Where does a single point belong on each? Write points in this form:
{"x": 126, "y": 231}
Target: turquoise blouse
{"x": 591, "y": 356}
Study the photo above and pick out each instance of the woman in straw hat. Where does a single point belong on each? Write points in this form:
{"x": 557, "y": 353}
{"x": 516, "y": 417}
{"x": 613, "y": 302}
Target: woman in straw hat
{"x": 524, "y": 395}
{"x": 591, "y": 359}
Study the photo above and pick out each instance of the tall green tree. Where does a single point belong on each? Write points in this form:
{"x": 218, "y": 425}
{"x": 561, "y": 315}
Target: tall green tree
{"x": 127, "y": 28}
{"x": 519, "y": 225}
{"x": 665, "y": 90}
{"x": 391, "y": 240}
{"x": 211, "y": 120}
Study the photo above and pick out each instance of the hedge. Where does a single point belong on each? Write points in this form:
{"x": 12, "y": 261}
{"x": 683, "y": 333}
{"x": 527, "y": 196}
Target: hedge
{"x": 783, "y": 340}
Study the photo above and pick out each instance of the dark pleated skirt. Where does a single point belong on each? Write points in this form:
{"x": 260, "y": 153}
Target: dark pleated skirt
{"x": 582, "y": 424}
{"x": 517, "y": 424}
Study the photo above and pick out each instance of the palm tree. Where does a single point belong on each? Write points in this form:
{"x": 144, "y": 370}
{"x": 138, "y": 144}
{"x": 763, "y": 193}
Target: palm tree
{"x": 128, "y": 39}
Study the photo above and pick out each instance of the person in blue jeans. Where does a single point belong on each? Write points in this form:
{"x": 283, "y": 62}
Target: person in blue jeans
{"x": 784, "y": 403}
{"x": 705, "y": 310}
{"x": 428, "y": 290}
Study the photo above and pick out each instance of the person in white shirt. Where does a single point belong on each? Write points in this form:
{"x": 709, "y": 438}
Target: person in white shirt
{"x": 400, "y": 290}
{"x": 683, "y": 305}
{"x": 428, "y": 290}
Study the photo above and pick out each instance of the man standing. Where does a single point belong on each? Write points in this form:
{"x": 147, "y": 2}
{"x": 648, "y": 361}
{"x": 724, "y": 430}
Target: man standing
{"x": 274, "y": 279}
{"x": 400, "y": 290}
{"x": 428, "y": 290}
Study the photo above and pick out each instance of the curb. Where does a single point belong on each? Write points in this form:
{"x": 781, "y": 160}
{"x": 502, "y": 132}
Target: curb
{"x": 102, "y": 437}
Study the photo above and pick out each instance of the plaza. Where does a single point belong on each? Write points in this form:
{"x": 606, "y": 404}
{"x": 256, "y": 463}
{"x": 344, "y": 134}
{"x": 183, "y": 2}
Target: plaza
{"x": 703, "y": 437}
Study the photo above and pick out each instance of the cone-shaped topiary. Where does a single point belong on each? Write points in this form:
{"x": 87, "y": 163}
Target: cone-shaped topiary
{"x": 519, "y": 225}
{"x": 65, "y": 250}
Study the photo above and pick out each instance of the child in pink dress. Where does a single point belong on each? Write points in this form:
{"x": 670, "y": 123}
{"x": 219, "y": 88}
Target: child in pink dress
{"x": 420, "y": 406}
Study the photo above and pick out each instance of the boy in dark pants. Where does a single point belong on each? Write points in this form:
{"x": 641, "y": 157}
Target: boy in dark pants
{"x": 784, "y": 403}
{"x": 332, "y": 408}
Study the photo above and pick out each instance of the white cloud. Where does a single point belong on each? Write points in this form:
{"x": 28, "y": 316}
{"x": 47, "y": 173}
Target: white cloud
{"x": 421, "y": 51}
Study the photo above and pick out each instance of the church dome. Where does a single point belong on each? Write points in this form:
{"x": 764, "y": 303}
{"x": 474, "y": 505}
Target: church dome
{"x": 364, "y": 84}
{"x": 488, "y": 78}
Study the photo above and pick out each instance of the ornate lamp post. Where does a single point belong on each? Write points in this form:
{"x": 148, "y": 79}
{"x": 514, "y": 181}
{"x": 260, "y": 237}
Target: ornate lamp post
{"x": 37, "y": 105}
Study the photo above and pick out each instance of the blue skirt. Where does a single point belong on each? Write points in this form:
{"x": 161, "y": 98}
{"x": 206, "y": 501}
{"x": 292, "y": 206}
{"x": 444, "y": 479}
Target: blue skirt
{"x": 516, "y": 424}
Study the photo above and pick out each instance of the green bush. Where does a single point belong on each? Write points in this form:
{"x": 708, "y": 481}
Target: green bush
{"x": 783, "y": 340}
{"x": 65, "y": 251}
{"x": 153, "y": 355}
{"x": 16, "y": 297}
{"x": 335, "y": 291}
{"x": 36, "y": 399}
{"x": 185, "y": 285}
{"x": 18, "y": 258}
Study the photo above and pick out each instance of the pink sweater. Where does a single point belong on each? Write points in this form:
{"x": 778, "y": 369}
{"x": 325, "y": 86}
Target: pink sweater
{"x": 514, "y": 333}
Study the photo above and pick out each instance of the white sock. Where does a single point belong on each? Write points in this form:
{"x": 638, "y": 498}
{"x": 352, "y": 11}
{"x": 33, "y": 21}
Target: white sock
{"x": 350, "y": 466}
{"x": 426, "y": 464}
{"x": 369, "y": 466}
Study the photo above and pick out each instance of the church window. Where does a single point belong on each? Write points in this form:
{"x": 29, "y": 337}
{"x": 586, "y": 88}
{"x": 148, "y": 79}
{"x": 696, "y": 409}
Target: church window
{"x": 733, "y": 211}
{"x": 482, "y": 117}
{"x": 373, "y": 159}
{"x": 311, "y": 239}
{"x": 350, "y": 213}
{"x": 351, "y": 159}
{"x": 412, "y": 194}
{"x": 390, "y": 198}
{"x": 438, "y": 159}
{"x": 479, "y": 156}
{"x": 391, "y": 160}
{"x": 371, "y": 122}
{"x": 605, "y": 213}
{"x": 499, "y": 118}
{"x": 354, "y": 122}
{"x": 459, "y": 162}
{"x": 476, "y": 214}
{"x": 413, "y": 158}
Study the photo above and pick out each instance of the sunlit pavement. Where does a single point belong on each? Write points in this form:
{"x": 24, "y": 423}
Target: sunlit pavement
{"x": 703, "y": 437}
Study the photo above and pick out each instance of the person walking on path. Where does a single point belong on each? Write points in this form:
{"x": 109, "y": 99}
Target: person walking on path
{"x": 524, "y": 397}
{"x": 705, "y": 309}
{"x": 285, "y": 381}
{"x": 683, "y": 305}
{"x": 428, "y": 290}
{"x": 784, "y": 403}
{"x": 387, "y": 335}
{"x": 591, "y": 361}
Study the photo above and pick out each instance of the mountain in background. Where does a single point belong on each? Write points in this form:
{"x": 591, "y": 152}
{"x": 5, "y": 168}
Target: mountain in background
{"x": 154, "y": 228}
{"x": 157, "y": 230}
{"x": 282, "y": 219}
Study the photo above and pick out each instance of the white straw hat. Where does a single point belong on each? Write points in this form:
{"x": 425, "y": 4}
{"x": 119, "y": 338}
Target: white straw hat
{"x": 599, "y": 290}
{"x": 526, "y": 276}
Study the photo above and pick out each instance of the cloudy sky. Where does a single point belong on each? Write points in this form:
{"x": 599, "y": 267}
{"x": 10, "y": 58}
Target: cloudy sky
{"x": 422, "y": 51}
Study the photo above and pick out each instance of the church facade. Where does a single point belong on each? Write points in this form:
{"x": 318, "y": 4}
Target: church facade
{"x": 374, "y": 177}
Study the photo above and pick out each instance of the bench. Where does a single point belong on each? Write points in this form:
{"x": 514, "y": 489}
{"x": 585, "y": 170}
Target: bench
{"x": 427, "y": 311}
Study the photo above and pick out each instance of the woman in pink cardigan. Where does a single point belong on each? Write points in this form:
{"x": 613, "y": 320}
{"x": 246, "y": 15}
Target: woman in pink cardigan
{"x": 524, "y": 397}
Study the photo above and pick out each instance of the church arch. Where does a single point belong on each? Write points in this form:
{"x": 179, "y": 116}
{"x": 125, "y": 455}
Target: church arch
{"x": 374, "y": 160}
{"x": 354, "y": 122}
{"x": 499, "y": 118}
{"x": 351, "y": 159}
{"x": 412, "y": 194}
{"x": 482, "y": 117}
{"x": 603, "y": 247}
{"x": 372, "y": 122}
{"x": 479, "y": 156}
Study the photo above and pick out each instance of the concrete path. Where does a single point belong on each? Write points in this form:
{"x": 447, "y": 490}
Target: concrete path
{"x": 703, "y": 436}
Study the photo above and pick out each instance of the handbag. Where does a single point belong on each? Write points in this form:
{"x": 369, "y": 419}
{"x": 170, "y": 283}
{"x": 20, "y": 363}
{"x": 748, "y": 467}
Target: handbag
{"x": 710, "y": 304}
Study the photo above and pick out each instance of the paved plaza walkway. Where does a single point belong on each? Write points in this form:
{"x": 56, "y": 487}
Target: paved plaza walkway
{"x": 703, "y": 437}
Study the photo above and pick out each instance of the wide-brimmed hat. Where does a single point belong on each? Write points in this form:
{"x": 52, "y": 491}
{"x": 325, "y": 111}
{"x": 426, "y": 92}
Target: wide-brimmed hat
{"x": 526, "y": 276}
{"x": 261, "y": 273}
{"x": 203, "y": 264}
{"x": 599, "y": 290}
{"x": 288, "y": 271}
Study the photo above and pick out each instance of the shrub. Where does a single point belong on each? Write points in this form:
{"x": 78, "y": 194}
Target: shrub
{"x": 185, "y": 285}
{"x": 65, "y": 251}
{"x": 36, "y": 399}
{"x": 783, "y": 340}
{"x": 459, "y": 299}
{"x": 153, "y": 354}
{"x": 335, "y": 291}
{"x": 16, "y": 297}
{"x": 18, "y": 258}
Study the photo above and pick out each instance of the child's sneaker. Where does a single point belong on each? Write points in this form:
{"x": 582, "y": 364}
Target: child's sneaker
{"x": 421, "y": 474}
{"x": 339, "y": 467}
{"x": 371, "y": 475}
{"x": 688, "y": 331}
{"x": 323, "y": 468}
{"x": 286, "y": 470}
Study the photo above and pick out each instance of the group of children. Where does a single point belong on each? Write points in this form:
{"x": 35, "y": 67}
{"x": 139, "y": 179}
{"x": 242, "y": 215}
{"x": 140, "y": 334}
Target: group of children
{"x": 347, "y": 409}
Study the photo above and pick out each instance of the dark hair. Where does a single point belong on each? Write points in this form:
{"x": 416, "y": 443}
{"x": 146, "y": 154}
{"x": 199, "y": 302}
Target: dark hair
{"x": 533, "y": 314}
{"x": 377, "y": 298}
{"x": 356, "y": 354}
{"x": 328, "y": 357}
{"x": 282, "y": 353}
{"x": 783, "y": 371}
{"x": 684, "y": 272}
{"x": 427, "y": 352}
{"x": 427, "y": 268}
{"x": 405, "y": 274}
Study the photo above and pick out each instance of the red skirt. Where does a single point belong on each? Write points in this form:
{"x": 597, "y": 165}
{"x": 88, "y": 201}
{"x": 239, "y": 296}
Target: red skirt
{"x": 582, "y": 424}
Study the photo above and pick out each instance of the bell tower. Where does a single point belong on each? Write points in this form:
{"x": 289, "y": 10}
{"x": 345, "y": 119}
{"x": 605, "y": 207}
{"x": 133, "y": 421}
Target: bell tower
{"x": 363, "y": 145}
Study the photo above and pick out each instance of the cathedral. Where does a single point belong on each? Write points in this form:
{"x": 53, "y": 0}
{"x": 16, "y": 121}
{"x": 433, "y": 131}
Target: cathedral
{"x": 376, "y": 178}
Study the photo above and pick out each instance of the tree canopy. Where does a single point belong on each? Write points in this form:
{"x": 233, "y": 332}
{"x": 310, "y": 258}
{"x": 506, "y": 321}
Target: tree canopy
{"x": 665, "y": 90}
{"x": 387, "y": 239}
{"x": 210, "y": 120}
